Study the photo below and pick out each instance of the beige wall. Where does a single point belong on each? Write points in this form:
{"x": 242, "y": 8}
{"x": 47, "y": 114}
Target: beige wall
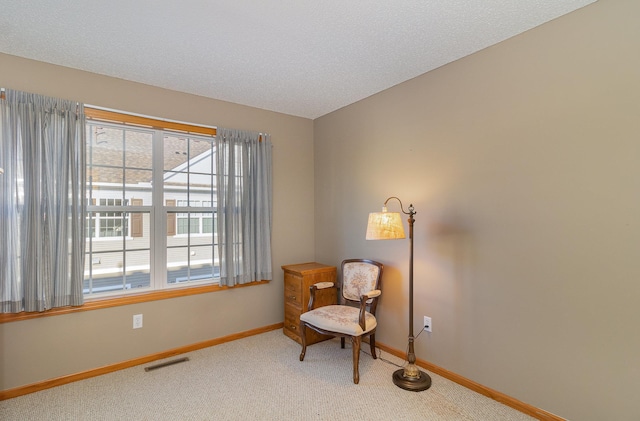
{"x": 523, "y": 163}
{"x": 41, "y": 349}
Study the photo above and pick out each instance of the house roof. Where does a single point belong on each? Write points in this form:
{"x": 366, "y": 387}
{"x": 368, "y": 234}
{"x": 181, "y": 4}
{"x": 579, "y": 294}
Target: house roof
{"x": 305, "y": 58}
{"x": 114, "y": 154}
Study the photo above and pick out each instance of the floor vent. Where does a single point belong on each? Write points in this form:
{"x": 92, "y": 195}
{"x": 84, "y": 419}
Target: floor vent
{"x": 172, "y": 362}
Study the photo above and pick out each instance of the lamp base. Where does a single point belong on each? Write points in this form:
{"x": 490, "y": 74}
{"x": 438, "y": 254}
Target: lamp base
{"x": 414, "y": 384}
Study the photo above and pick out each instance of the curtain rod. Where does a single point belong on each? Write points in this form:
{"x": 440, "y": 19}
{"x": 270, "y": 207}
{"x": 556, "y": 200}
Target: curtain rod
{"x": 95, "y": 112}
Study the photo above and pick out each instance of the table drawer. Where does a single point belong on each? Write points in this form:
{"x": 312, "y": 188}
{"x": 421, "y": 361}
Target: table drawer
{"x": 292, "y": 319}
{"x": 297, "y": 280}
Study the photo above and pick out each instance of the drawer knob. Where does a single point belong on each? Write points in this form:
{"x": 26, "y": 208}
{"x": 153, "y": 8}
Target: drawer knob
{"x": 293, "y": 327}
{"x": 292, "y": 297}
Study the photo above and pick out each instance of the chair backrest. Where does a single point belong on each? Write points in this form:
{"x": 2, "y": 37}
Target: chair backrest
{"x": 360, "y": 276}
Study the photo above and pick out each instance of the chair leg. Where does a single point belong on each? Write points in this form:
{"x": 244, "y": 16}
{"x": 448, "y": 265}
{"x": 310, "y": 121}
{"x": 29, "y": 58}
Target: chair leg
{"x": 303, "y": 337}
{"x": 342, "y": 342}
{"x": 355, "y": 344}
{"x": 372, "y": 343}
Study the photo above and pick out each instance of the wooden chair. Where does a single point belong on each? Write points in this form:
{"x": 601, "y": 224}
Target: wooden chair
{"x": 355, "y": 315}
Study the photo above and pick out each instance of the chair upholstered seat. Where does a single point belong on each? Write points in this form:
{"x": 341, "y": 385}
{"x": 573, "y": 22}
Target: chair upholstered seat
{"x": 339, "y": 319}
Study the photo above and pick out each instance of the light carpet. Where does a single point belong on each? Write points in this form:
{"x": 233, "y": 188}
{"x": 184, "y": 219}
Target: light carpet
{"x": 258, "y": 378}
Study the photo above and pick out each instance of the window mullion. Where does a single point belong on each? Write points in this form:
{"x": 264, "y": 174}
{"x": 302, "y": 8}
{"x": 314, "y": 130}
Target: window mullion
{"x": 158, "y": 216}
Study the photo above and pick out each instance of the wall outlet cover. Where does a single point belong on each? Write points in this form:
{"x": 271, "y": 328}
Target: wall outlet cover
{"x": 137, "y": 321}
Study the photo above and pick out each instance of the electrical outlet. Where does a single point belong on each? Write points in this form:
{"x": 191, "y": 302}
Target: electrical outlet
{"x": 137, "y": 321}
{"x": 427, "y": 323}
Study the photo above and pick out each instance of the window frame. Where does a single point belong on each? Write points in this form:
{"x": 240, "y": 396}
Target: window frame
{"x": 158, "y": 210}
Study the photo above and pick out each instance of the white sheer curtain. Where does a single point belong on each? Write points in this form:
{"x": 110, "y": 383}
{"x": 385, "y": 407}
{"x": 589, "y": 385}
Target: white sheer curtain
{"x": 42, "y": 221}
{"x": 244, "y": 193}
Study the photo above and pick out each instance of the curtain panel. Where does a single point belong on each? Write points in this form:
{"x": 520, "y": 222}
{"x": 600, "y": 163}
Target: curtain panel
{"x": 244, "y": 194}
{"x": 42, "y": 206}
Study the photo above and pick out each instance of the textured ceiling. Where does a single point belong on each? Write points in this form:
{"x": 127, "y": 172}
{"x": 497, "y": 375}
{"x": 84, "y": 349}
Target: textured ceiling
{"x": 299, "y": 57}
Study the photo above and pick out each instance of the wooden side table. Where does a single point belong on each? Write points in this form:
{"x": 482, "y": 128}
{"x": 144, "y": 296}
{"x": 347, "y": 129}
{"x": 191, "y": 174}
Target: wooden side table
{"x": 297, "y": 280}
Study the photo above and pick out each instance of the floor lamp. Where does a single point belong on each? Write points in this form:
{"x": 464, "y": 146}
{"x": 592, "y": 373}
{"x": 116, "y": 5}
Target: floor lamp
{"x": 388, "y": 226}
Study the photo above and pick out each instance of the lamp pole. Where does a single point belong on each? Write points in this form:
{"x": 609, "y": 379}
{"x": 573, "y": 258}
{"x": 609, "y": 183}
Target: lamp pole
{"x": 411, "y": 356}
{"x": 410, "y": 377}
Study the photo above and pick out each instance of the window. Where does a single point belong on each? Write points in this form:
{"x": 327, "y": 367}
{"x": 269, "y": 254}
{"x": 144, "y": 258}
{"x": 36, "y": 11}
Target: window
{"x": 194, "y": 222}
{"x": 108, "y": 224}
{"x": 129, "y": 204}
{"x": 151, "y": 207}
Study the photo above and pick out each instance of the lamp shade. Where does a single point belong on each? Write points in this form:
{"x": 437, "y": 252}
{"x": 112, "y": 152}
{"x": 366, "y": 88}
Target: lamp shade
{"x": 385, "y": 226}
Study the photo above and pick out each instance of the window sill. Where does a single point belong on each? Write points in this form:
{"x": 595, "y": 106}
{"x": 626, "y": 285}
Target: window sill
{"x": 121, "y": 301}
